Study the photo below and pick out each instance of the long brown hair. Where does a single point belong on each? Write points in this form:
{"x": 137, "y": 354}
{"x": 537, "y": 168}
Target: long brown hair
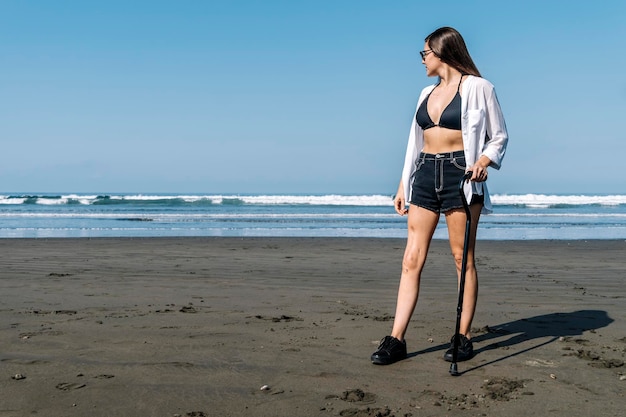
{"x": 448, "y": 44}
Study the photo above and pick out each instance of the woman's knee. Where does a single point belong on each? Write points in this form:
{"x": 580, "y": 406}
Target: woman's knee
{"x": 413, "y": 259}
{"x": 409, "y": 263}
{"x": 458, "y": 260}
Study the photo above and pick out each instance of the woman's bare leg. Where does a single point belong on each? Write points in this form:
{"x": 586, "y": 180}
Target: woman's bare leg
{"x": 421, "y": 226}
{"x": 455, "y": 219}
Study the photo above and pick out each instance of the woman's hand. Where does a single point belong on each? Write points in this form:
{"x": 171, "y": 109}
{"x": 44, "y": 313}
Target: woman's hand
{"x": 479, "y": 170}
{"x": 399, "y": 203}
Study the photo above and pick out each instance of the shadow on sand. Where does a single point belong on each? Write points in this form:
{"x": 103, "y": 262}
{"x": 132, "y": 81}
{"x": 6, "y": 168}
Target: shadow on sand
{"x": 552, "y": 326}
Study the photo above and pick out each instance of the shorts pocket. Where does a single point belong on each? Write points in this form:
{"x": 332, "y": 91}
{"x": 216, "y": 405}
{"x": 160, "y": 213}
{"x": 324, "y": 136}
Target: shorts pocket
{"x": 459, "y": 163}
{"x": 419, "y": 163}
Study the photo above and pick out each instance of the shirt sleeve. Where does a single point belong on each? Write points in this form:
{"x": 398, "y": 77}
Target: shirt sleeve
{"x": 414, "y": 146}
{"x": 497, "y": 135}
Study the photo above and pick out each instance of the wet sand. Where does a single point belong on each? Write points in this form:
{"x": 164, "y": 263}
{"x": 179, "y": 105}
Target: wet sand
{"x": 285, "y": 327}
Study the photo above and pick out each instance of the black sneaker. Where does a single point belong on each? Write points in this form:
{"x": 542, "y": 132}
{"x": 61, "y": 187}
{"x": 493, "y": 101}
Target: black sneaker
{"x": 389, "y": 351}
{"x": 466, "y": 350}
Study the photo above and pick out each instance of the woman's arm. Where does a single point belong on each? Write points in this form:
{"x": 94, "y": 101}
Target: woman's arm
{"x": 399, "y": 202}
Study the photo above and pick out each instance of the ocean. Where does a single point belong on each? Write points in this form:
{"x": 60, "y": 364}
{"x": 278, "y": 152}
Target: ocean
{"x": 515, "y": 217}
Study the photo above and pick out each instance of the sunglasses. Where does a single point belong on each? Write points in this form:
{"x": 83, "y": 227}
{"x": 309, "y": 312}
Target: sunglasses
{"x": 424, "y": 53}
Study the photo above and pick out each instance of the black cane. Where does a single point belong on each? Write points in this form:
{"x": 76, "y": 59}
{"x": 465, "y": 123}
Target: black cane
{"x": 454, "y": 370}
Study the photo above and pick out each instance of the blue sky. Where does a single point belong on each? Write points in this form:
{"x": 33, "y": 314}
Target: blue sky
{"x": 296, "y": 96}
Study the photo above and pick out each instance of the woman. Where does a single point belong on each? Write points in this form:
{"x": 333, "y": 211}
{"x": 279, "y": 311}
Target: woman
{"x": 458, "y": 127}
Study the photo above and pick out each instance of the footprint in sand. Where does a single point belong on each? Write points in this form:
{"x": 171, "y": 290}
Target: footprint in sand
{"x": 368, "y": 412}
{"x": 596, "y": 360}
{"x": 69, "y": 386}
{"x": 501, "y": 389}
{"x": 358, "y": 395}
{"x": 540, "y": 363}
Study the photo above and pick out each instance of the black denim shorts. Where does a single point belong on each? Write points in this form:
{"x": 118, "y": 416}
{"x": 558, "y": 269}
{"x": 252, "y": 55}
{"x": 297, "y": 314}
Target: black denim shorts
{"x": 436, "y": 181}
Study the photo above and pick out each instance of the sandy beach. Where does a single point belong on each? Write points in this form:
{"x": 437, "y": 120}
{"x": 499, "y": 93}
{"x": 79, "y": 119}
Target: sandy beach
{"x": 285, "y": 327}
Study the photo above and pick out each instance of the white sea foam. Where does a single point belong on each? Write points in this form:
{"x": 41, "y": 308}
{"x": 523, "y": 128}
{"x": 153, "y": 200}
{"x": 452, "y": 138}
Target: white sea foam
{"x": 331, "y": 199}
{"x": 528, "y": 200}
{"x": 543, "y": 200}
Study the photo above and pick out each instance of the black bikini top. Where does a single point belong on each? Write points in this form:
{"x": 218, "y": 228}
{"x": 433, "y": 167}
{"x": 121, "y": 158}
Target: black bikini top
{"x": 450, "y": 117}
